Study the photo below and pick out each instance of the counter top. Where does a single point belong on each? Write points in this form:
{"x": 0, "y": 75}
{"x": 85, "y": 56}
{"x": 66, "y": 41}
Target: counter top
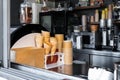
{"x": 98, "y": 52}
{"x": 77, "y": 69}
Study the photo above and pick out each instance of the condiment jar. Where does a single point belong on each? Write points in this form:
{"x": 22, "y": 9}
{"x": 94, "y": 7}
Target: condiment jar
{"x": 25, "y": 12}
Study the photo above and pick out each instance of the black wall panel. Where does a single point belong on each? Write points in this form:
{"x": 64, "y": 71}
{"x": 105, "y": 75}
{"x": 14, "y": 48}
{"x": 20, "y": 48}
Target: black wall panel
{"x": 15, "y": 7}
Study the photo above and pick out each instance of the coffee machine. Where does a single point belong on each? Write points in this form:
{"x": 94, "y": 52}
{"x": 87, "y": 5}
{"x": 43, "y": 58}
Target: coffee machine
{"x": 109, "y": 38}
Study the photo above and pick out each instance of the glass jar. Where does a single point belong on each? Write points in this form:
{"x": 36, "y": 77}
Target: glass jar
{"x": 25, "y": 12}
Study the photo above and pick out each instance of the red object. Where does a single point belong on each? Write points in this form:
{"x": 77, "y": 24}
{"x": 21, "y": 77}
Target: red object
{"x": 55, "y": 59}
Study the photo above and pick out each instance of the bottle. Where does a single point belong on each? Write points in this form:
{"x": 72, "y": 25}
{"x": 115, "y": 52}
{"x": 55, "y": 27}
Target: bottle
{"x": 44, "y": 8}
{"x": 96, "y": 16}
{"x": 103, "y": 14}
{"x": 91, "y": 2}
{"x": 106, "y": 13}
{"x": 116, "y": 71}
{"x": 25, "y": 12}
{"x": 59, "y": 7}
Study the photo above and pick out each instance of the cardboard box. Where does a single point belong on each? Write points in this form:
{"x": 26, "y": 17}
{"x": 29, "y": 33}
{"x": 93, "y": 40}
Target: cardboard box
{"x": 30, "y": 56}
{"x": 36, "y": 57}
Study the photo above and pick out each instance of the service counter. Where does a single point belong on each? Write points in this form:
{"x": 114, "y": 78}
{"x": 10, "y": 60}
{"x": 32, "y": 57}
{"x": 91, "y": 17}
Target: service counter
{"x": 98, "y": 52}
{"x": 98, "y": 58}
{"x": 64, "y": 72}
{"x": 77, "y": 69}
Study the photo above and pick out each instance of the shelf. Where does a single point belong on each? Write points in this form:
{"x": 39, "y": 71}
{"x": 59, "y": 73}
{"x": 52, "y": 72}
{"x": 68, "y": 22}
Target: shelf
{"x": 116, "y": 22}
{"x": 75, "y": 9}
{"x": 94, "y": 23}
{"x": 56, "y": 0}
{"x": 88, "y": 7}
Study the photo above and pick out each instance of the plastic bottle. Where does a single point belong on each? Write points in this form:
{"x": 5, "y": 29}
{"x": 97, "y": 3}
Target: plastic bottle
{"x": 96, "y": 16}
{"x": 44, "y": 8}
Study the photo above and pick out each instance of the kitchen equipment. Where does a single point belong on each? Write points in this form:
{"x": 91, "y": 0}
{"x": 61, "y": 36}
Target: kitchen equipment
{"x": 107, "y": 30}
{"x": 74, "y": 39}
{"x": 91, "y": 39}
{"x": 103, "y": 30}
{"x": 117, "y": 71}
{"x": 79, "y": 44}
{"x": 118, "y": 42}
{"x": 102, "y": 23}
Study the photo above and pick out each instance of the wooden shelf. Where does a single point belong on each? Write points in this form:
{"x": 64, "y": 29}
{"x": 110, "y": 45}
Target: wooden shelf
{"x": 94, "y": 23}
{"x": 116, "y": 22}
{"x": 88, "y": 7}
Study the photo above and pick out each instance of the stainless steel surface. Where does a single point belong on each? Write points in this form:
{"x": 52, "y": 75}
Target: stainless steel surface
{"x": 117, "y": 71}
{"x": 104, "y": 35}
{"x": 109, "y": 23}
{"x": 4, "y": 31}
{"x": 14, "y": 74}
{"x": 103, "y": 61}
{"x": 118, "y": 42}
{"x": 88, "y": 40}
{"x": 79, "y": 42}
{"x": 98, "y": 52}
{"x": 78, "y": 68}
{"x": 24, "y": 74}
{"x": 74, "y": 38}
{"x": 99, "y": 58}
{"x": 48, "y": 74}
{"x": 102, "y": 23}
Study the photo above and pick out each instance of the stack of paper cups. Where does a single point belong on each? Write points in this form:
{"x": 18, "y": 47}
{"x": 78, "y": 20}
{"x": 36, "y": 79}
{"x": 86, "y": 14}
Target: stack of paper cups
{"x": 84, "y": 22}
{"x": 68, "y": 52}
{"x": 36, "y": 8}
{"x": 68, "y": 69}
{"x": 60, "y": 38}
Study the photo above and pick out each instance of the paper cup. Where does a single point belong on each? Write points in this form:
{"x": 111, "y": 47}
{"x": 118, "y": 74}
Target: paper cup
{"x": 68, "y": 56}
